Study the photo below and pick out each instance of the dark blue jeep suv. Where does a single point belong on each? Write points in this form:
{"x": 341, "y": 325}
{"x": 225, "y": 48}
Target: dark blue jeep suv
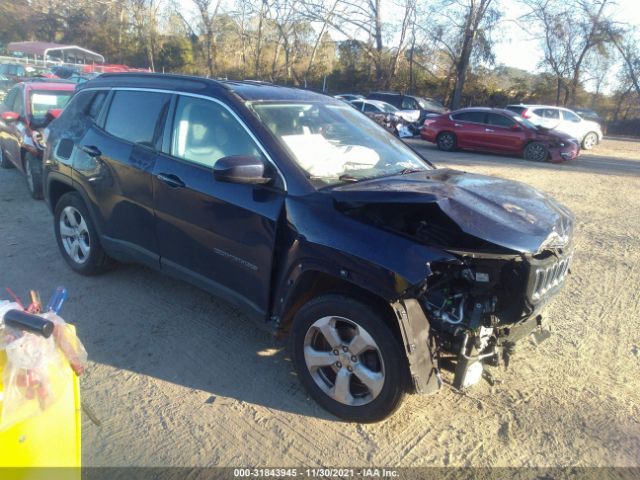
{"x": 292, "y": 205}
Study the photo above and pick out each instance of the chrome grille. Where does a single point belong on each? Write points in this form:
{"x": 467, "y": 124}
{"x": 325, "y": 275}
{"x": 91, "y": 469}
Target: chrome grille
{"x": 549, "y": 277}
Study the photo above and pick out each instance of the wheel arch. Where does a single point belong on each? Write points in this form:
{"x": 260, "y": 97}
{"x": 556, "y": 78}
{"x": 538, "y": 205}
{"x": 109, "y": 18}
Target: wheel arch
{"x": 314, "y": 283}
{"x": 56, "y": 189}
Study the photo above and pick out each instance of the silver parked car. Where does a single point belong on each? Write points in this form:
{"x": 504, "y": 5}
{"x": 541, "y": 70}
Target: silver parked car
{"x": 589, "y": 133}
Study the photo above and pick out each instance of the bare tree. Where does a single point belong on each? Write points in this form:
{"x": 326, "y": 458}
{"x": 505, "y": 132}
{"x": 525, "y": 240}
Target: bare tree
{"x": 207, "y": 18}
{"x": 476, "y": 11}
{"x": 625, "y": 42}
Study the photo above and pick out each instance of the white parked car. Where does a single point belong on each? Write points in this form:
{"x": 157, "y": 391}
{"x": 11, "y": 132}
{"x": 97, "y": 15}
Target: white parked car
{"x": 589, "y": 133}
{"x": 378, "y": 106}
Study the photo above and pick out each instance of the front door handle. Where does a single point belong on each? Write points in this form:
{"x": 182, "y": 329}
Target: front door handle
{"x": 489, "y": 130}
{"x": 172, "y": 180}
{"x": 91, "y": 150}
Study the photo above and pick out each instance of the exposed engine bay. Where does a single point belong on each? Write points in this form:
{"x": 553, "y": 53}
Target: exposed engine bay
{"x": 480, "y": 305}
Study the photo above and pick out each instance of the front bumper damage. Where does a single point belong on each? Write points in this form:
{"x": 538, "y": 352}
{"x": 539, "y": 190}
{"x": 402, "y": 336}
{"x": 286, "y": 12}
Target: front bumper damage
{"x": 475, "y": 324}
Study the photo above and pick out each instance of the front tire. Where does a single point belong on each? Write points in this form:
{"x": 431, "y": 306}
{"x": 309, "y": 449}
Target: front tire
{"x": 33, "y": 174}
{"x": 589, "y": 141}
{"x": 348, "y": 359}
{"x": 536, "y": 152}
{"x": 77, "y": 236}
{"x": 447, "y": 141}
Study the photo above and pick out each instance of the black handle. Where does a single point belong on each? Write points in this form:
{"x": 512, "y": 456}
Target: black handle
{"x": 91, "y": 150}
{"x": 172, "y": 180}
{"x": 28, "y": 322}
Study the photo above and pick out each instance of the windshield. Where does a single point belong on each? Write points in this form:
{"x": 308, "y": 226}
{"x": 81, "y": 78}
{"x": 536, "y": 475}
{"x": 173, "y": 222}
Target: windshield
{"x": 44, "y": 100}
{"x": 335, "y": 144}
{"x": 429, "y": 104}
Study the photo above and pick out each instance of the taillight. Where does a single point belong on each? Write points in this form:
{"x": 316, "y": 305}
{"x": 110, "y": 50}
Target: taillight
{"x": 428, "y": 121}
{"x": 526, "y": 113}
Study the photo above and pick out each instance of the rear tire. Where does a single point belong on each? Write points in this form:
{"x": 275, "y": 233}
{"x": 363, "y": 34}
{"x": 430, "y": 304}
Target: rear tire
{"x": 447, "y": 141}
{"x": 348, "y": 359}
{"x": 33, "y": 174}
{"x": 77, "y": 236}
{"x": 536, "y": 152}
{"x": 4, "y": 161}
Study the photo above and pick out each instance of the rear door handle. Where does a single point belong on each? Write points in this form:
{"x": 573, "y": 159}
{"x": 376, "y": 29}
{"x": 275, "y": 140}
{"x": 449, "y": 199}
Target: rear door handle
{"x": 489, "y": 130}
{"x": 457, "y": 125}
{"x": 91, "y": 150}
{"x": 172, "y": 180}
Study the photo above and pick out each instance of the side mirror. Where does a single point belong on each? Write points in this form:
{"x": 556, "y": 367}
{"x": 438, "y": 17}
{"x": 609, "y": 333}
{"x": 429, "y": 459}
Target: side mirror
{"x": 241, "y": 169}
{"x": 9, "y": 116}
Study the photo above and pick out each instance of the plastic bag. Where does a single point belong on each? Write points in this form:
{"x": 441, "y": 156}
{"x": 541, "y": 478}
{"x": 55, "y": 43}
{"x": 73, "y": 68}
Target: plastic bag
{"x": 68, "y": 342}
{"x": 35, "y": 375}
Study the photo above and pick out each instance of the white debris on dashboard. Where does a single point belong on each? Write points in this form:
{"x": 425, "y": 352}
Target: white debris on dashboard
{"x": 320, "y": 157}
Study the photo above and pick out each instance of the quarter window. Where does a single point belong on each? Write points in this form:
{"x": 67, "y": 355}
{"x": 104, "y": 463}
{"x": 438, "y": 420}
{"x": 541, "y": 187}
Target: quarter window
{"x": 204, "y": 132}
{"x": 137, "y": 116}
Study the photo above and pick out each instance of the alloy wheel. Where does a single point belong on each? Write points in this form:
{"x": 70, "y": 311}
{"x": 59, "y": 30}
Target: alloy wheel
{"x": 536, "y": 152}
{"x": 75, "y": 235}
{"x": 589, "y": 141}
{"x": 446, "y": 141}
{"x": 344, "y": 361}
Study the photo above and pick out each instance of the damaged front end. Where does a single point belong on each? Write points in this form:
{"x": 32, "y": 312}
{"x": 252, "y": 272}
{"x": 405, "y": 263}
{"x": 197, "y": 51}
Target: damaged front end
{"x": 478, "y": 309}
{"x": 511, "y": 256}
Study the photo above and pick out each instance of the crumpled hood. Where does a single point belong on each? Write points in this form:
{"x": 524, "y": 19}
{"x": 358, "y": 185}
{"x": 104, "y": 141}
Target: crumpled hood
{"x": 504, "y": 212}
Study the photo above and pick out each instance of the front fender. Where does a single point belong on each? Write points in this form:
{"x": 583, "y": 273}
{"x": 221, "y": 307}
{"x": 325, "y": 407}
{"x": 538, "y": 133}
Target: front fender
{"x": 320, "y": 238}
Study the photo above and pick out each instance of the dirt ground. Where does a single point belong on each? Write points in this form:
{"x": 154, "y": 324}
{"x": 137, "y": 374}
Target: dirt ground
{"x": 180, "y": 378}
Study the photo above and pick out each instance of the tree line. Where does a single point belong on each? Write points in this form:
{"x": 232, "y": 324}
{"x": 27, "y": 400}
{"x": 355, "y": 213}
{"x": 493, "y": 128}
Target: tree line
{"x": 437, "y": 48}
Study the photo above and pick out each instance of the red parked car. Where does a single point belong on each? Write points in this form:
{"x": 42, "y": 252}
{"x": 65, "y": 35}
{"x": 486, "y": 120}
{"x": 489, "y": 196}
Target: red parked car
{"x": 499, "y": 131}
{"x": 24, "y": 113}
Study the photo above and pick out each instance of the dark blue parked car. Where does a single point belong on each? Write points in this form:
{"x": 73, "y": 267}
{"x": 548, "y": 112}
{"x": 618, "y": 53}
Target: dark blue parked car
{"x": 310, "y": 216}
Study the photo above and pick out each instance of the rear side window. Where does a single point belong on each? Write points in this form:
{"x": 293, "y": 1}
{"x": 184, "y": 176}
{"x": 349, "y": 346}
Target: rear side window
{"x": 499, "y": 120}
{"x": 204, "y": 132}
{"x": 409, "y": 103}
{"x": 475, "y": 117}
{"x": 370, "y": 108}
{"x": 552, "y": 113}
{"x": 137, "y": 117}
{"x": 96, "y": 104}
{"x": 358, "y": 105}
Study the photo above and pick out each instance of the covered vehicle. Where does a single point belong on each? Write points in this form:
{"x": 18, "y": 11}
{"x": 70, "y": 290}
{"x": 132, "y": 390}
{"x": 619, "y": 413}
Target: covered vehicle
{"x": 377, "y": 264}
{"x": 24, "y": 113}
{"x": 500, "y": 131}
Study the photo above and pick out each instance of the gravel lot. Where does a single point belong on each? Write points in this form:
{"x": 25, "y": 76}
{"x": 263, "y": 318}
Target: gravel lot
{"x": 180, "y": 378}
